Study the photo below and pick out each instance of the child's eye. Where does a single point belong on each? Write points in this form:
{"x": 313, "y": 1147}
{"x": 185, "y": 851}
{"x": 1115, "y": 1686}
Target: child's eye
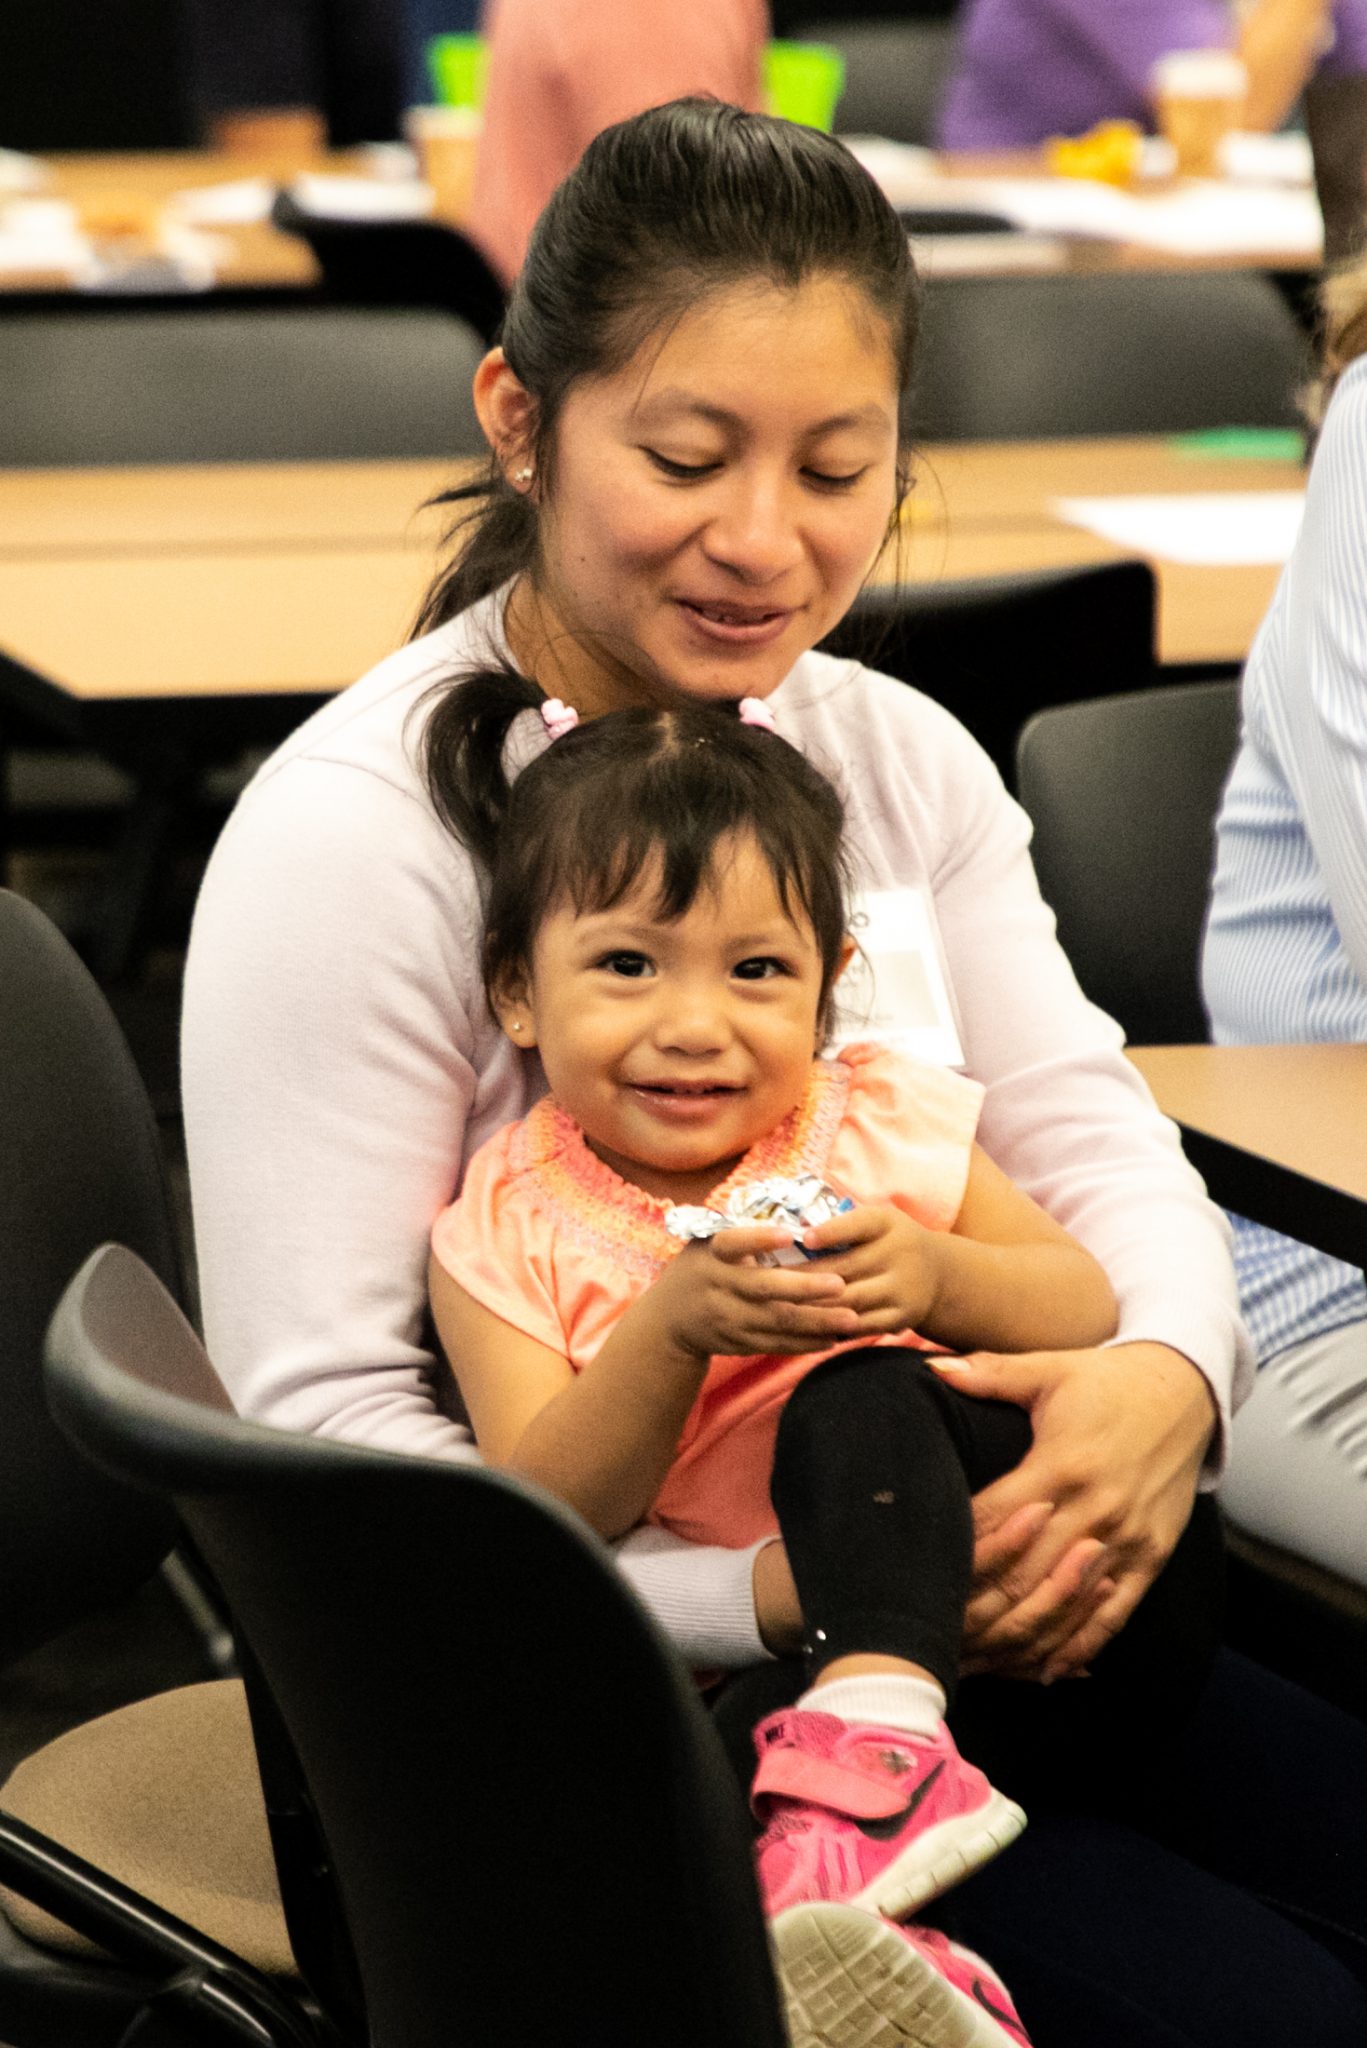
{"x": 763, "y": 967}
{"x": 633, "y": 965}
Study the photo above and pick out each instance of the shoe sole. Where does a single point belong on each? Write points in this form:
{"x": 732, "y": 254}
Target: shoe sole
{"x": 940, "y": 1858}
{"x": 848, "y": 1980}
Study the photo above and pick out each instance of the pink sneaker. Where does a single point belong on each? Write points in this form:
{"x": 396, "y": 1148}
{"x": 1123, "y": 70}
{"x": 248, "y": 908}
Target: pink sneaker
{"x": 847, "y": 1976}
{"x": 871, "y": 1816}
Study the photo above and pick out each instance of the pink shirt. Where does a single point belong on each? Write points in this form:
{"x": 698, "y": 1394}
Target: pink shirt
{"x": 561, "y": 70}
{"x": 556, "y": 1243}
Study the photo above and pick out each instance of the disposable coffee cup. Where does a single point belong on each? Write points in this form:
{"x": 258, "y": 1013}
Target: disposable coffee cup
{"x": 1199, "y": 98}
{"x": 444, "y": 140}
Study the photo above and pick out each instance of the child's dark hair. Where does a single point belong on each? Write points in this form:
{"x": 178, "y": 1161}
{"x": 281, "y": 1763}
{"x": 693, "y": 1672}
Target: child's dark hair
{"x": 661, "y": 210}
{"x": 645, "y": 791}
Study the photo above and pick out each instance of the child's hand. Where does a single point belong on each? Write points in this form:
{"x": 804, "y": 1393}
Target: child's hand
{"x": 892, "y": 1268}
{"x": 713, "y": 1299}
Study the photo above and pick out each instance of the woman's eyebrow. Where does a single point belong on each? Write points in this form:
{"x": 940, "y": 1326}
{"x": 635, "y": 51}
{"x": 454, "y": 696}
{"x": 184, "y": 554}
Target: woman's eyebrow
{"x": 672, "y": 400}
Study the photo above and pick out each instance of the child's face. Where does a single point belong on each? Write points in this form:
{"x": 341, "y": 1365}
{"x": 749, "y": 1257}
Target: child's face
{"x": 676, "y": 1046}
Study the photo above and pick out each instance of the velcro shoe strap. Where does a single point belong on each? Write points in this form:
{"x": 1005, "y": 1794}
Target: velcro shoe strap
{"x": 785, "y": 1773}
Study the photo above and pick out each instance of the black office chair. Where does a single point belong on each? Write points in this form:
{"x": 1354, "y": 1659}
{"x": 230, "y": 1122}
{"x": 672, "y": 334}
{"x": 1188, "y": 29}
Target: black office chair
{"x": 198, "y": 385}
{"x": 530, "y": 1822}
{"x": 1151, "y": 352}
{"x": 79, "y": 1163}
{"x": 895, "y": 73}
{"x": 995, "y": 649}
{"x": 422, "y": 263}
{"x": 1124, "y": 795}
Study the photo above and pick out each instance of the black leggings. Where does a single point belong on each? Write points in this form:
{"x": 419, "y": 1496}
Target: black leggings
{"x": 875, "y": 1465}
{"x": 1194, "y": 1874}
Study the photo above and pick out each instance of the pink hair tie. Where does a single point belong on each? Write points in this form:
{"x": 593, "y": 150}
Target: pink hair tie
{"x": 754, "y": 711}
{"x": 558, "y": 717}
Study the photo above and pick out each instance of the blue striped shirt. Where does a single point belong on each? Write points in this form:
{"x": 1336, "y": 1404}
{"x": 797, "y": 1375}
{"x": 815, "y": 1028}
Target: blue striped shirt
{"x": 1286, "y": 944}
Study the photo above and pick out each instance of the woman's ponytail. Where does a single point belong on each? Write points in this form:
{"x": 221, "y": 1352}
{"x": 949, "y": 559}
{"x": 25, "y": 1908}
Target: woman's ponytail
{"x": 463, "y": 748}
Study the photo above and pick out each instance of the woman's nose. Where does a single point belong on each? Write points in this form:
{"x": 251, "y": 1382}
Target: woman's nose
{"x": 755, "y": 531}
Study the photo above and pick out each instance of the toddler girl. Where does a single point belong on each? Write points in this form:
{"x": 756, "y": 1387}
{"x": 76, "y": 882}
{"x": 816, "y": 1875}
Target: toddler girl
{"x": 666, "y": 921}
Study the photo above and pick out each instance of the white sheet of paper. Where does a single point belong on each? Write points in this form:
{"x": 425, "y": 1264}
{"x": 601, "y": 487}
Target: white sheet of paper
{"x": 1204, "y": 217}
{"x": 1215, "y": 529}
{"x": 896, "y": 988}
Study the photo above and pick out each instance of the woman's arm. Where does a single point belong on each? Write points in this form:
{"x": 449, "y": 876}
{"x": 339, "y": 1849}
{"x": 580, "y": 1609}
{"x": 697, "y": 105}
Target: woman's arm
{"x": 1067, "y": 1117}
{"x": 1280, "y": 41}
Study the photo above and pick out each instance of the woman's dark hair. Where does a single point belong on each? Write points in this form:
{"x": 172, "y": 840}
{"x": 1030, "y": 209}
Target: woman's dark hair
{"x": 662, "y": 209}
{"x": 640, "y": 792}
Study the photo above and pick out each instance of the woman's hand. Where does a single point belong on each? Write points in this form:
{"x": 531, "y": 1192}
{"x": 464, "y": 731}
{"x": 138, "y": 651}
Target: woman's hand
{"x": 713, "y": 1298}
{"x": 1070, "y": 1541}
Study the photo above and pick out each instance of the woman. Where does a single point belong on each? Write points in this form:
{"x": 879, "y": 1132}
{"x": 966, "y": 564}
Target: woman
{"x": 694, "y": 424}
{"x": 1028, "y": 69}
{"x": 1286, "y": 959}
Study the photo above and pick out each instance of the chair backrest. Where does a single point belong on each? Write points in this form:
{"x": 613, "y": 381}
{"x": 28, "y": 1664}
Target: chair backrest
{"x": 1124, "y": 795}
{"x": 398, "y": 263}
{"x": 894, "y": 75}
{"x": 196, "y": 385}
{"x": 995, "y": 649}
{"x": 79, "y": 1164}
{"x": 117, "y": 76}
{"x": 1016, "y": 358}
{"x": 530, "y": 1819}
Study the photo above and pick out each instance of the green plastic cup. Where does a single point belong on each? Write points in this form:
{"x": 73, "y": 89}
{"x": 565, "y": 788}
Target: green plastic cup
{"x": 803, "y": 82}
{"x": 456, "y": 65}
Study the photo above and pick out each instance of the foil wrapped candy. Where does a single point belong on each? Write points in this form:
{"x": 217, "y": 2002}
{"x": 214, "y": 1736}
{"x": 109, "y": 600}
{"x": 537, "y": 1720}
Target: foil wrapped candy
{"x": 798, "y": 1204}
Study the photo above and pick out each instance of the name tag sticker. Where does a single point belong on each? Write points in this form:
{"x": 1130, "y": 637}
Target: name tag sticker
{"x": 896, "y": 988}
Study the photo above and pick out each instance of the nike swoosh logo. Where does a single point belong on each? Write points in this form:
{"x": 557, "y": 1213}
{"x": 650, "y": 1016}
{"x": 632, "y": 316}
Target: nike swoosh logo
{"x": 996, "y": 2011}
{"x": 884, "y": 1830}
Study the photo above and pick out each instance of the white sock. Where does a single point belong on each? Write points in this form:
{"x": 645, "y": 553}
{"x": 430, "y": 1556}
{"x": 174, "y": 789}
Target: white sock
{"x": 880, "y": 1700}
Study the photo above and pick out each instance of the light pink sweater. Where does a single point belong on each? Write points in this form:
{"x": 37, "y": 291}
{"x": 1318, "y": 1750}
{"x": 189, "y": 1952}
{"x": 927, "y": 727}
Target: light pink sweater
{"x": 340, "y": 1066}
{"x": 561, "y": 70}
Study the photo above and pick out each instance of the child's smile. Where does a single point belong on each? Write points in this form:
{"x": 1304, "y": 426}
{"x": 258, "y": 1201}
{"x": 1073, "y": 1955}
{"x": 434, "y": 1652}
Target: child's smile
{"x": 675, "y": 1045}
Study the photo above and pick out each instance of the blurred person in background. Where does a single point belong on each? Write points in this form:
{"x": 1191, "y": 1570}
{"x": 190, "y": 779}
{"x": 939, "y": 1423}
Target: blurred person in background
{"x": 1029, "y": 69}
{"x": 561, "y": 70}
{"x": 1286, "y": 961}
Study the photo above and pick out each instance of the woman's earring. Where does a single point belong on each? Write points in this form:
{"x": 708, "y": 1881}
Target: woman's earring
{"x": 524, "y": 476}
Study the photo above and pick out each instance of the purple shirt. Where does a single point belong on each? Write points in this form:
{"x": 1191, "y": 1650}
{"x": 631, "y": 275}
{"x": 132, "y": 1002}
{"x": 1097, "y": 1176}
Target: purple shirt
{"x": 1028, "y": 69}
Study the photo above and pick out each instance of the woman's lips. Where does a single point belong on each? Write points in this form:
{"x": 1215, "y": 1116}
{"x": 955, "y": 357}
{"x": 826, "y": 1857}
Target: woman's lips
{"x": 732, "y": 625}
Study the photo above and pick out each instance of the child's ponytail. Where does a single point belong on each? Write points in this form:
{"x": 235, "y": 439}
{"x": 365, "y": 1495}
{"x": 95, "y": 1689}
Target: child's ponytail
{"x": 463, "y": 753}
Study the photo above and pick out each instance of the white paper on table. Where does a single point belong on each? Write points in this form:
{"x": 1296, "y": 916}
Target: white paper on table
{"x": 896, "y": 988}
{"x": 235, "y": 205}
{"x": 1204, "y": 217}
{"x": 1283, "y": 159}
{"x": 1212, "y": 217}
{"x": 41, "y": 235}
{"x": 362, "y": 198}
{"x": 1215, "y": 529}
{"x": 904, "y": 170}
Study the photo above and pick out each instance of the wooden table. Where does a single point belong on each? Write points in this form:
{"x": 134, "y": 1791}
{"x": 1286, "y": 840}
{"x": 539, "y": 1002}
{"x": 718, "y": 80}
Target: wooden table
{"x": 1278, "y": 1131}
{"x": 260, "y": 257}
{"x": 257, "y": 255}
{"x": 206, "y": 580}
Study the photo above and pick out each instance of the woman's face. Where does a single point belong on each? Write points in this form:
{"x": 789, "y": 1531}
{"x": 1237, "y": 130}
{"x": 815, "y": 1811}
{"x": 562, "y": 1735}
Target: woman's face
{"x": 717, "y": 502}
